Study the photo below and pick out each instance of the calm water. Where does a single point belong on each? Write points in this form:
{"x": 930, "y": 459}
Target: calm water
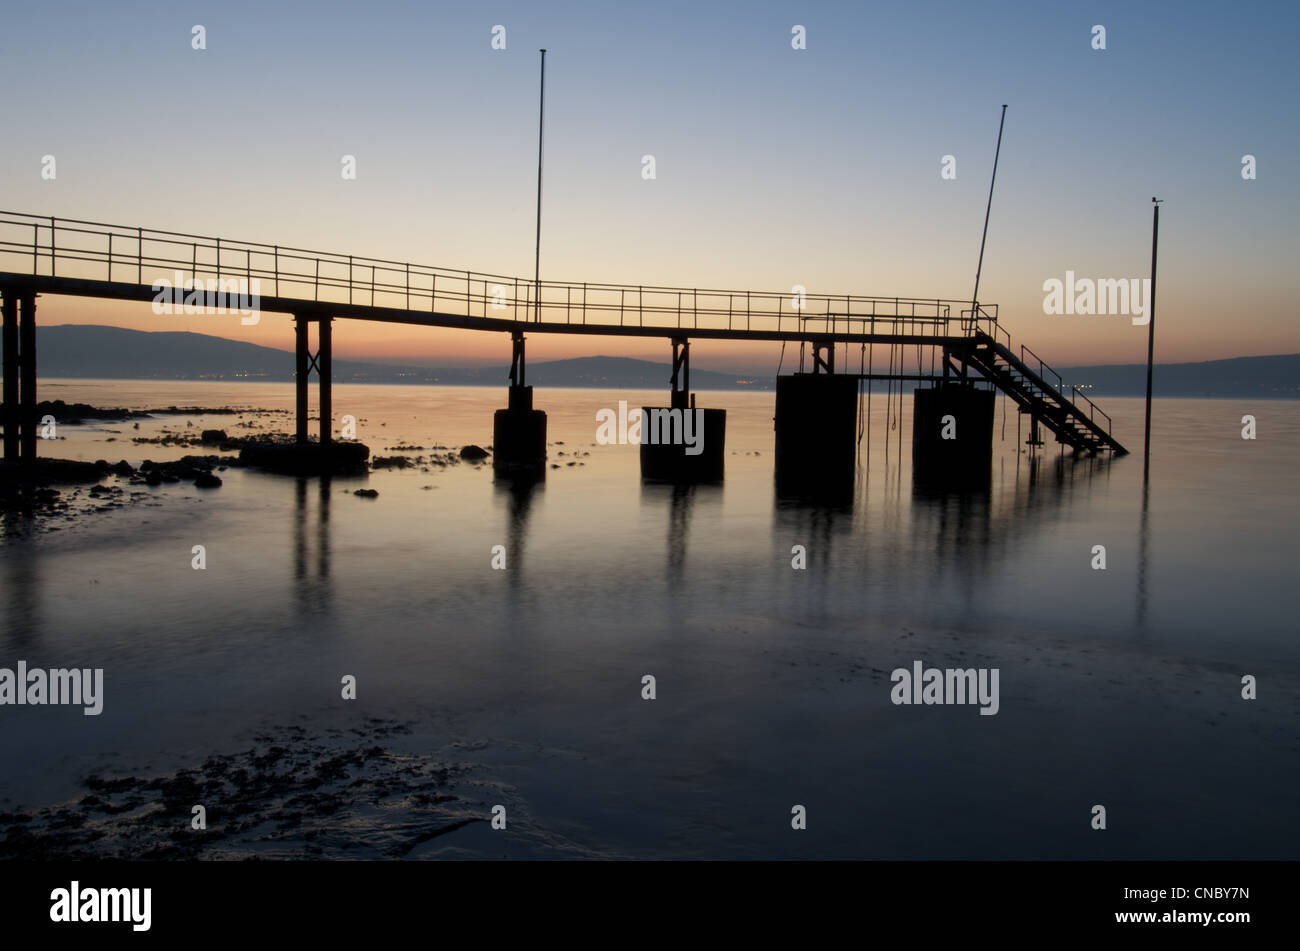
{"x": 1118, "y": 687}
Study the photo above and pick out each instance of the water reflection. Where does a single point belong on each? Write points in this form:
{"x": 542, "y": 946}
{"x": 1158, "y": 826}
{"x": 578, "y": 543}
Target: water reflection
{"x": 518, "y": 493}
{"x": 1142, "y": 557}
{"x": 312, "y": 589}
{"x": 22, "y": 603}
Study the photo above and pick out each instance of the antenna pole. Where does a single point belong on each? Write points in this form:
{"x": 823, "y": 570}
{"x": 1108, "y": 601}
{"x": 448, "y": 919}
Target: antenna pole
{"x": 974, "y": 303}
{"x": 1151, "y": 337}
{"x": 537, "y": 260}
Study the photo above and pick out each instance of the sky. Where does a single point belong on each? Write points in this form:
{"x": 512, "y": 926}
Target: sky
{"x": 774, "y": 166}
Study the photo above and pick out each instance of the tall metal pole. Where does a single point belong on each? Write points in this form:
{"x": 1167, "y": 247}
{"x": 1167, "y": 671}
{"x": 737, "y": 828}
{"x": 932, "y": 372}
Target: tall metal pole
{"x": 537, "y": 261}
{"x": 974, "y": 304}
{"x": 1151, "y": 336}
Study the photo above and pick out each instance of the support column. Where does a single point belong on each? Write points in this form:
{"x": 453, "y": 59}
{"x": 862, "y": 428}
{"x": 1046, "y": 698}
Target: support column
{"x": 519, "y": 431}
{"x": 1035, "y": 438}
{"x": 681, "y": 381}
{"x": 27, "y": 377}
{"x": 816, "y": 435}
{"x": 10, "y": 336}
{"x": 303, "y": 457}
{"x": 823, "y": 355}
{"x": 952, "y": 436}
{"x": 325, "y": 380}
{"x": 301, "y": 374}
{"x": 682, "y": 444}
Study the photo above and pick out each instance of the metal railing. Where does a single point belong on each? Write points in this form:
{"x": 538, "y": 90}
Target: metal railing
{"x": 1093, "y": 409}
{"x": 1051, "y": 379}
{"x": 75, "y": 248}
{"x": 1044, "y": 371}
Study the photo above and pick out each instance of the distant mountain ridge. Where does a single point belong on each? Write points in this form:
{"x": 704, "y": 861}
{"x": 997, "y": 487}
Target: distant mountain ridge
{"x": 1269, "y": 377}
{"x": 92, "y": 351}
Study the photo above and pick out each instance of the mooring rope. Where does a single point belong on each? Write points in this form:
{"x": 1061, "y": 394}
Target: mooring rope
{"x": 862, "y": 423}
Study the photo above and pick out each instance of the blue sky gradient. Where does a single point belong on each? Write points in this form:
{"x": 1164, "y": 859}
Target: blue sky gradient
{"x": 774, "y": 166}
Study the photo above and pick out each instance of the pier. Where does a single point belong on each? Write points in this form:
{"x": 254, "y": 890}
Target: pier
{"x": 960, "y": 350}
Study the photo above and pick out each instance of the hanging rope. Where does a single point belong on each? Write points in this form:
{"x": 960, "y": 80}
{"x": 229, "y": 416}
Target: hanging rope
{"x": 862, "y": 423}
{"x": 901, "y": 355}
{"x": 893, "y": 422}
{"x": 889, "y": 403}
{"x": 870, "y": 363}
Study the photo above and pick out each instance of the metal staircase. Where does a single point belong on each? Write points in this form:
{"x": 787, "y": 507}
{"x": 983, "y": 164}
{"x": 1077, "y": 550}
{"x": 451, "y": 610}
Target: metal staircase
{"x": 1040, "y": 392}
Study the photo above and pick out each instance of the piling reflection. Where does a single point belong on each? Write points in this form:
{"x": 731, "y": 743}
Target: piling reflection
{"x": 22, "y": 601}
{"x": 517, "y": 492}
{"x": 313, "y": 589}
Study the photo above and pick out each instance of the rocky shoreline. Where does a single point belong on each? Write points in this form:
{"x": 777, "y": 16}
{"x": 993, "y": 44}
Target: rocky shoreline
{"x": 54, "y": 487}
{"x": 351, "y": 793}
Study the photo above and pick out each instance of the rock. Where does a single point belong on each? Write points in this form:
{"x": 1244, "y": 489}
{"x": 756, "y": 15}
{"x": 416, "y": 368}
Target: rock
{"x": 123, "y": 468}
{"x": 309, "y": 458}
{"x": 153, "y": 477}
{"x": 206, "y": 480}
{"x": 367, "y": 493}
{"x": 76, "y": 412}
{"x": 69, "y": 471}
{"x": 217, "y": 436}
{"x": 473, "y": 453}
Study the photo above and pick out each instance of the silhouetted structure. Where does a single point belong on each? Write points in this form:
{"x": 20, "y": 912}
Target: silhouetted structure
{"x": 815, "y": 422}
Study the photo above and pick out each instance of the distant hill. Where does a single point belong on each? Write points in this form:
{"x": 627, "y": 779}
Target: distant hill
{"x": 1276, "y": 377}
{"x": 75, "y": 350}
{"x": 89, "y": 351}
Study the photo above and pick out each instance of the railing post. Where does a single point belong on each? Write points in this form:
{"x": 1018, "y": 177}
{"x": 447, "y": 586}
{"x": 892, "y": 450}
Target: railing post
{"x": 194, "y": 262}
{"x": 372, "y": 285}
{"x": 433, "y": 292}
{"x": 219, "y": 261}
{"x": 139, "y": 255}
{"x": 51, "y": 245}
{"x": 316, "y": 293}
{"x": 408, "y": 285}
{"x": 110, "y": 257}
{"x": 277, "y": 270}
